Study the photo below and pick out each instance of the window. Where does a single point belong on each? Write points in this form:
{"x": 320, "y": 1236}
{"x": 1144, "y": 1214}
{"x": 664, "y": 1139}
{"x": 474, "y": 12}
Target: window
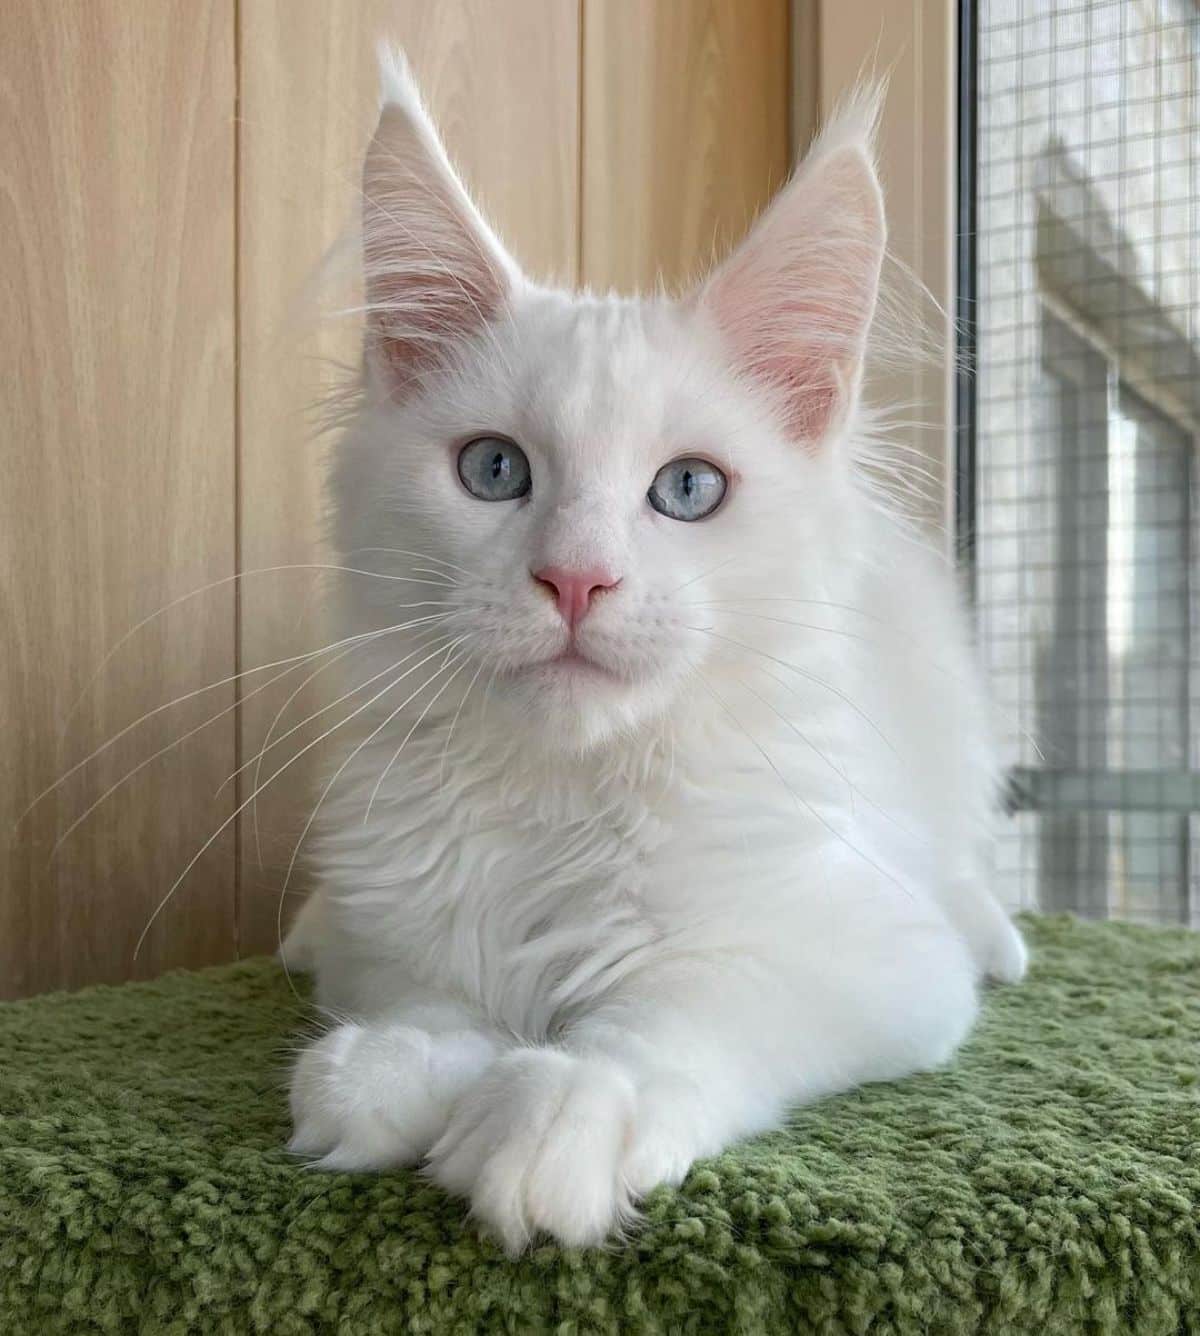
{"x": 1086, "y": 427}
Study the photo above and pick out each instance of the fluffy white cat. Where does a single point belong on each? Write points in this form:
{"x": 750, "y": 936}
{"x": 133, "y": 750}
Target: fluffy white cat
{"x": 670, "y": 798}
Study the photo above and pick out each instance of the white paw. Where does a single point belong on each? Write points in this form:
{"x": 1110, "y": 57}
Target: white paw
{"x": 542, "y": 1142}
{"x": 372, "y": 1097}
{"x": 1008, "y": 957}
{"x": 665, "y": 1134}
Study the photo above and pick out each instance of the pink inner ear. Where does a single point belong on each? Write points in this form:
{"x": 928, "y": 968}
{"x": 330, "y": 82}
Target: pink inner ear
{"x": 805, "y": 375}
{"x": 792, "y": 342}
{"x": 434, "y": 275}
{"x": 417, "y": 312}
{"x": 795, "y": 301}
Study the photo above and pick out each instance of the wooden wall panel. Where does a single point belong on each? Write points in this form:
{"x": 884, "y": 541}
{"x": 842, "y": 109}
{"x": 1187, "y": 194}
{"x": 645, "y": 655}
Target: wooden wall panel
{"x": 116, "y": 474}
{"x": 805, "y": 73}
{"x": 502, "y": 80}
{"x": 913, "y": 41}
{"x": 685, "y": 132}
{"x": 170, "y": 177}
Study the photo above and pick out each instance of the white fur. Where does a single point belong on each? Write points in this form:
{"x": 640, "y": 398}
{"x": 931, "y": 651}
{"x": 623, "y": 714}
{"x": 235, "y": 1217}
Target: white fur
{"x": 597, "y": 925}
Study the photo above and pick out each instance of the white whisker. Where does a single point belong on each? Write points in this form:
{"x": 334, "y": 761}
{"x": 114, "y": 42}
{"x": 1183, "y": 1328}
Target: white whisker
{"x": 247, "y": 801}
{"x": 325, "y": 667}
{"x": 808, "y": 742}
{"x": 811, "y": 677}
{"x": 911, "y": 642}
{"x": 295, "y": 660}
{"x": 454, "y": 724}
{"x": 421, "y": 556}
{"x": 487, "y": 694}
{"x": 783, "y": 621}
{"x": 801, "y": 802}
{"x": 268, "y": 745}
{"x": 712, "y": 570}
{"x": 312, "y": 816}
{"x": 207, "y": 589}
{"x": 413, "y": 729}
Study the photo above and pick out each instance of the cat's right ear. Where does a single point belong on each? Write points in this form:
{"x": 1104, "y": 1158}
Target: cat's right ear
{"x": 435, "y": 273}
{"x": 794, "y": 302}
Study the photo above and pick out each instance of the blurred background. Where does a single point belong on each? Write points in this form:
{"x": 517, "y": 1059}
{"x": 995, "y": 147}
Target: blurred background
{"x": 172, "y": 177}
{"x": 1085, "y": 414}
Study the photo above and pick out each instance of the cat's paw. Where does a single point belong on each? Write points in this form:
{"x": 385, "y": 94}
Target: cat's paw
{"x": 1008, "y": 956}
{"x": 666, "y": 1134}
{"x": 542, "y": 1142}
{"x": 374, "y": 1097}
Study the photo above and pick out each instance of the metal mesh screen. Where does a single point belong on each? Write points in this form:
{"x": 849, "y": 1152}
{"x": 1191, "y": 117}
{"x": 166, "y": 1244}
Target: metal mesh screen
{"x": 1087, "y": 506}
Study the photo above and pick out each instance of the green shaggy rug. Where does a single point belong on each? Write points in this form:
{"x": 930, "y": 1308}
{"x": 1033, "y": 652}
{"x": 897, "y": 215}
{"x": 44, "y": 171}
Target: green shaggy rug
{"x": 1049, "y": 1181}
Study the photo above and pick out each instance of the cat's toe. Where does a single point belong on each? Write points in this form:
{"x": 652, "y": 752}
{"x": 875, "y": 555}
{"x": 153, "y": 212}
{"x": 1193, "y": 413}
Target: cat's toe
{"x": 315, "y": 1100}
{"x": 1008, "y": 958}
{"x": 362, "y": 1099}
{"x": 538, "y": 1145}
{"x": 663, "y": 1139}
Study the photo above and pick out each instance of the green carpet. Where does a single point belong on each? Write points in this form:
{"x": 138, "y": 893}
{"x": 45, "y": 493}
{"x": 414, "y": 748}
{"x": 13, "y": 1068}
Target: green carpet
{"x": 1049, "y": 1181}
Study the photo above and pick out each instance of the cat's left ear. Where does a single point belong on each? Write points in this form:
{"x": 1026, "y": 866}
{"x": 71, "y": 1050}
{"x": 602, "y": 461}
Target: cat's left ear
{"x": 435, "y": 273}
{"x": 794, "y": 303}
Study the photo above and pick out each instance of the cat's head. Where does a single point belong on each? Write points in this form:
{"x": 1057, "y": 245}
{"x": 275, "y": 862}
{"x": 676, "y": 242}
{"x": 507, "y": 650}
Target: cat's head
{"x": 587, "y": 477}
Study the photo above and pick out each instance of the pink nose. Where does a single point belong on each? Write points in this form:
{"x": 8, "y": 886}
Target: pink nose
{"x": 574, "y": 589}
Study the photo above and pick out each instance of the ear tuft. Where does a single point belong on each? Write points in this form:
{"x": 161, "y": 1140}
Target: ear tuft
{"x": 853, "y": 122}
{"x": 435, "y": 272}
{"x": 397, "y": 83}
{"x": 794, "y": 301}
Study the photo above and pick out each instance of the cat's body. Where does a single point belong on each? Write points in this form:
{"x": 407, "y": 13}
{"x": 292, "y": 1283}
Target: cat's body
{"x": 646, "y": 866}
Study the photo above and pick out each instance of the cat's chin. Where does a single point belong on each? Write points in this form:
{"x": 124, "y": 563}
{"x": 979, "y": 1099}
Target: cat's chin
{"x": 571, "y": 703}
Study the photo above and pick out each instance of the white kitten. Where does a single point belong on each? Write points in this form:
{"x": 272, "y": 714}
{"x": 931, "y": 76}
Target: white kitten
{"x": 677, "y": 801}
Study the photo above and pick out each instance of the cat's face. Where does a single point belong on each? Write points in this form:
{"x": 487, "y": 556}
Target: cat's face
{"x": 587, "y": 477}
{"x": 569, "y": 413}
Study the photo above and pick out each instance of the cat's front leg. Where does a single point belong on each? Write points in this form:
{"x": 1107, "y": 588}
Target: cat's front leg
{"x": 377, "y": 1094}
{"x": 565, "y": 1139}
{"x": 538, "y": 1143}
{"x": 686, "y": 1060}
{"x": 565, "y": 1142}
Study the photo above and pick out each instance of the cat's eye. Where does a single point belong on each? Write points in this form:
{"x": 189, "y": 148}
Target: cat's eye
{"x": 494, "y": 469}
{"x": 687, "y": 489}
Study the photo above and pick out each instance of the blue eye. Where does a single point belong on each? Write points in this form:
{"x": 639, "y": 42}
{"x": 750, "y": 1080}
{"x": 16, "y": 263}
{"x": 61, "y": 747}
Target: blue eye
{"x": 494, "y": 469}
{"x": 687, "y": 489}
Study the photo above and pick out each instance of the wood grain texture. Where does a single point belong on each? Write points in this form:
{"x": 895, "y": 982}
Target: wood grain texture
{"x": 913, "y": 40}
{"x": 685, "y": 132}
{"x": 805, "y": 74}
{"x": 170, "y": 177}
{"x": 502, "y": 82}
{"x": 116, "y": 475}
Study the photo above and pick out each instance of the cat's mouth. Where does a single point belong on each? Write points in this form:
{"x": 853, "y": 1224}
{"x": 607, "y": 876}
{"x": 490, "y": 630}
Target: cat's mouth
{"x": 572, "y": 661}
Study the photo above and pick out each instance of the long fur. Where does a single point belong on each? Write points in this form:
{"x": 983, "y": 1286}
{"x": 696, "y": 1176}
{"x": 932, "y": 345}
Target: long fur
{"x": 578, "y": 925}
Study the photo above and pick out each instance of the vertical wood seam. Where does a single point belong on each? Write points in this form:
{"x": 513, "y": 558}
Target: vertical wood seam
{"x": 805, "y": 18}
{"x": 789, "y": 86}
{"x": 580, "y": 103}
{"x": 918, "y": 221}
{"x": 815, "y": 67}
{"x": 237, "y": 471}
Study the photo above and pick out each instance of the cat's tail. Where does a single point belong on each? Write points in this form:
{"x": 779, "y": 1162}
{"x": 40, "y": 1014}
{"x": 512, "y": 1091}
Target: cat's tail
{"x": 298, "y": 950}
